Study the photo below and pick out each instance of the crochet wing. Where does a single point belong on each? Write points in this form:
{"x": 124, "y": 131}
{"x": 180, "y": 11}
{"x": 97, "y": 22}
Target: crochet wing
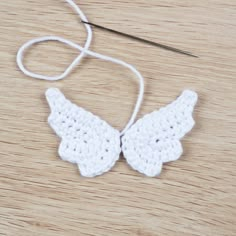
{"x": 86, "y": 140}
{"x": 155, "y": 139}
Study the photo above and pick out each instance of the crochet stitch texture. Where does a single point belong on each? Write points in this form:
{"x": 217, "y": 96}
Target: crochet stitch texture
{"x": 95, "y": 146}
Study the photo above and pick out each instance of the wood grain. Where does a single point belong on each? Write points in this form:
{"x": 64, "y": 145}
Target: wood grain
{"x": 42, "y": 195}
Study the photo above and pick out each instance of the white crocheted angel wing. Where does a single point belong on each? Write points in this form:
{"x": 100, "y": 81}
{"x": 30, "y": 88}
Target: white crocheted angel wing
{"x": 155, "y": 139}
{"x": 86, "y": 140}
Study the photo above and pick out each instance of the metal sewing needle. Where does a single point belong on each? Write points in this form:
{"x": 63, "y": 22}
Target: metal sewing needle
{"x": 142, "y": 40}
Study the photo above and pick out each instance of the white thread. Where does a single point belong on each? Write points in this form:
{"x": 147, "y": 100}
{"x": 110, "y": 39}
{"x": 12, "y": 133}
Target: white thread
{"x": 84, "y": 50}
{"x": 20, "y": 54}
{"x": 94, "y": 145}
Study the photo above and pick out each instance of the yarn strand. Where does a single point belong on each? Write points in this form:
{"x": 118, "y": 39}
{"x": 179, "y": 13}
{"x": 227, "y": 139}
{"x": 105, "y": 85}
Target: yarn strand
{"x": 84, "y": 51}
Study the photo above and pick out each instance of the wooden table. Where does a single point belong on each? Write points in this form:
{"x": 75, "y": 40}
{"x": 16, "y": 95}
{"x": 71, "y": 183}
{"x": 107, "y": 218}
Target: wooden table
{"x": 42, "y": 195}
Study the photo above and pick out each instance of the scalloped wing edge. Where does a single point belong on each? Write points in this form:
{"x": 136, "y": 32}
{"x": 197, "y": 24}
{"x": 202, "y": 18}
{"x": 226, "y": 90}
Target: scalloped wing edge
{"x": 56, "y": 98}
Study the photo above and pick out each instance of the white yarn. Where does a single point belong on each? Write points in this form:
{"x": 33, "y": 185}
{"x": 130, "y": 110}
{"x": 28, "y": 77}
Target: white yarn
{"x": 95, "y": 146}
{"x": 84, "y": 50}
{"x": 20, "y": 54}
